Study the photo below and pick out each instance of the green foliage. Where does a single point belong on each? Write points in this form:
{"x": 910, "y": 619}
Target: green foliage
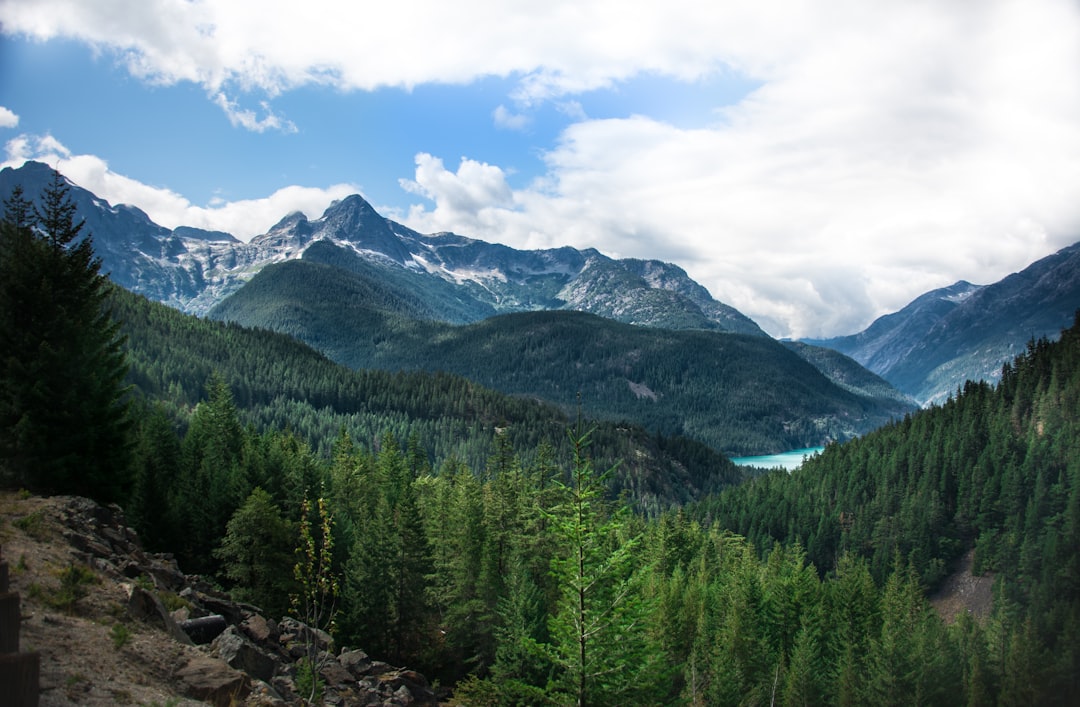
{"x": 63, "y": 407}
{"x": 737, "y": 393}
{"x": 280, "y": 384}
{"x": 120, "y": 635}
{"x": 993, "y": 471}
{"x": 465, "y": 533}
{"x": 316, "y": 602}
{"x": 258, "y": 543}
{"x": 74, "y": 585}
{"x": 212, "y": 481}
{"x": 33, "y": 524}
{"x": 598, "y": 637}
{"x": 308, "y": 682}
{"x": 155, "y": 470}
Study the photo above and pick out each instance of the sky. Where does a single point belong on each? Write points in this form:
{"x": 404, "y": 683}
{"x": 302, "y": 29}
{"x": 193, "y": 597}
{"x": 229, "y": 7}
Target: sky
{"x": 813, "y": 163}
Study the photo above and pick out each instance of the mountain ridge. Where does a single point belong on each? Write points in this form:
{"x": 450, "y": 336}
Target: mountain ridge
{"x": 942, "y": 338}
{"x": 735, "y": 392}
{"x": 193, "y": 269}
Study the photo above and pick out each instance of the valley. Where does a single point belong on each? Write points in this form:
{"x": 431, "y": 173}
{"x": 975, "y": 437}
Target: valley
{"x": 485, "y": 495}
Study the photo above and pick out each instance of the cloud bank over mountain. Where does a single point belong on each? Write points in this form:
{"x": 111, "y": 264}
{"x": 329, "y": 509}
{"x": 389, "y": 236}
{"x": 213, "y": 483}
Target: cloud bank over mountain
{"x": 883, "y": 150}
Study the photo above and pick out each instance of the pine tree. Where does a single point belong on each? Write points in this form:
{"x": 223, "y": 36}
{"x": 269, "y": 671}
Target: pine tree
{"x": 256, "y": 554}
{"x": 212, "y": 485}
{"x": 599, "y": 631}
{"x": 63, "y": 406}
{"x": 153, "y": 507}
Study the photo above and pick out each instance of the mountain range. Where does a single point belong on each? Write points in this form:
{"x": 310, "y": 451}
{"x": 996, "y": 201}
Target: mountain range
{"x": 370, "y": 292}
{"x": 465, "y": 280}
{"x": 965, "y": 331}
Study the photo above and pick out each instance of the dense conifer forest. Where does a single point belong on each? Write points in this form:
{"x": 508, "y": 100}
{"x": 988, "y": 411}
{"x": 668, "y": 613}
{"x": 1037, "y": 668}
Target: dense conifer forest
{"x": 279, "y": 384}
{"x": 527, "y": 582}
{"x": 524, "y": 558}
{"x": 738, "y": 393}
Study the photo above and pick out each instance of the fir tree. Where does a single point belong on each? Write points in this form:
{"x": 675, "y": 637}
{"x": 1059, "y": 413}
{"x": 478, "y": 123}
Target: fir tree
{"x": 599, "y": 631}
{"x": 63, "y": 405}
{"x": 257, "y": 554}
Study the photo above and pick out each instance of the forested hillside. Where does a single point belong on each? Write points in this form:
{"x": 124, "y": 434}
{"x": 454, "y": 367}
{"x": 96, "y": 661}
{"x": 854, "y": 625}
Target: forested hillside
{"x": 737, "y": 393}
{"x": 483, "y": 539}
{"x": 279, "y": 384}
{"x": 522, "y": 583}
{"x": 996, "y": 469}
{"x": 516, "y": 563}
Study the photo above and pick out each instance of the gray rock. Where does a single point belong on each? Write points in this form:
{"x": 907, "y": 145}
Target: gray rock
{"x": 295, "y": 632}
{"x": 260, "y": 629}
{"x": 240, "y": 653}
{"x": 204, "y": 678}
{"x": 145, "y": 606}
{"x": 356, "y": 662}
{"x": 204, "y": 629}
{"x": 335, "y": 674}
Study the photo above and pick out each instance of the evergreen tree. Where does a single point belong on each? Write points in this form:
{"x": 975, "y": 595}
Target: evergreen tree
{"x": 213, "y": 483}
{"x": 257, "y": 554}
{"x": 153, "y": 507}
{"x": 63, "y": 406}
{"x": 599, "y": 631}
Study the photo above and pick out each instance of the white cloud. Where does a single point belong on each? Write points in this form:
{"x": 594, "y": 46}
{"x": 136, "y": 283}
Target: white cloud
{"x": 558, "y": 47}
{"x": 243, "y": 218}
{"x": 507, "y": 120}
{"x": 881, "y": 157}
{"x": 8, "y": 119}
{"x": 249, "y": 120}
{"x": 472, "y": 200}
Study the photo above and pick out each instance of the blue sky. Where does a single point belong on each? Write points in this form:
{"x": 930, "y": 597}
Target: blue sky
{"x": 813, "y": 164}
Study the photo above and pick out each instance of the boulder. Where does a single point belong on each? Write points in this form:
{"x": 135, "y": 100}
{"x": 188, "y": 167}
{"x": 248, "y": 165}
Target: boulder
{"x": 356, "y": 662}
{"x": 146, "y": 606}
{"x": 260, "y": 629}
{"x": 293, "y": 631}
{"x": 210, "y": 680}
{"x": 204, "y": 629}
{"x": 232, "y": 611}
{"x": 242, "y": 654}
{"x": 334, "y": 674}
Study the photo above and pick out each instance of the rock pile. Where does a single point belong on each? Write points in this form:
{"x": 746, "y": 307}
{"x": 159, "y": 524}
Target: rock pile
{"x": 243, "y": 657}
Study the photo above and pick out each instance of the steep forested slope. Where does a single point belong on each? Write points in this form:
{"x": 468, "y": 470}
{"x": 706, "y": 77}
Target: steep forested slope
{"x": 280, "y": 383}
{"x": 737, "y": 393}
{"x": 996, "y": 469}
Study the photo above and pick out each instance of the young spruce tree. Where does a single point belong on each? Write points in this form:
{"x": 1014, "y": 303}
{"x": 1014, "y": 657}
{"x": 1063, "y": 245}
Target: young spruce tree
{"x": 599, "y": 630}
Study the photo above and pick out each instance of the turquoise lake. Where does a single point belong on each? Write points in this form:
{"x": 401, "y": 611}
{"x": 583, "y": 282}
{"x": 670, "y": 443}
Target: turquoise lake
{"x": 787, "y": 460}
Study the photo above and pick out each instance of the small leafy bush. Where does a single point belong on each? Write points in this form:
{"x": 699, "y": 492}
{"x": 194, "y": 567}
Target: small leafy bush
{"x": 120, "y": 635}
{"x": 33, "y": 524}
{"x": 74, "y": 583}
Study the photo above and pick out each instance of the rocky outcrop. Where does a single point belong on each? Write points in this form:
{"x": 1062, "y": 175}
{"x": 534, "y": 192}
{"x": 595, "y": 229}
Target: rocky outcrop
{"x": 242, "y": 657}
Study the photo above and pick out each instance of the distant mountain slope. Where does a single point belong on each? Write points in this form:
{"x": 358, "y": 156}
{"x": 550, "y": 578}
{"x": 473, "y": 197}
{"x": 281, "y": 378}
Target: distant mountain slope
{"x": 847, "y": 373}
{"x": 461, "y": 279}
{"x": 280, "y": 383}
{"x": 738, "y": 393}
{"x": 946, "y": 336}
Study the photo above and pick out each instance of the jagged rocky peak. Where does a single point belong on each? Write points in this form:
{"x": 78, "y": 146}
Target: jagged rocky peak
{"x": 195, "y": 269}
{"x": 294, "y": 220}
{"x": 353, "y": 217}
{"x": 353, "y": 220}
